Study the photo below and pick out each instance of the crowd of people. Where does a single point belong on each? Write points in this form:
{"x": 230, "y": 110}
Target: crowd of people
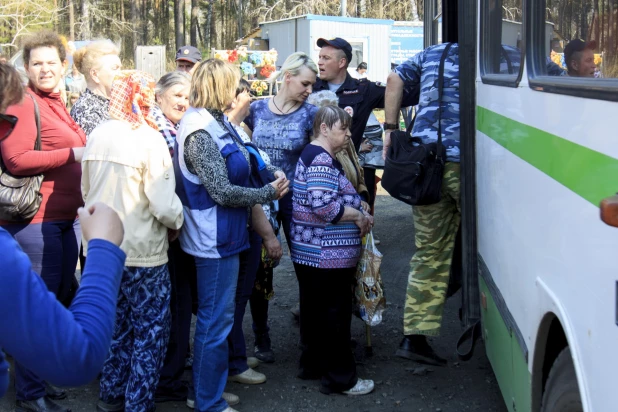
{"x": 194, "y": 181}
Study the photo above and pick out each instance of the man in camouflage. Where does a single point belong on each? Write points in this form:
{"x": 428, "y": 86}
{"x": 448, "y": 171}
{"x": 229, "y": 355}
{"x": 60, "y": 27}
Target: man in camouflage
{"x": 435, "y": 225}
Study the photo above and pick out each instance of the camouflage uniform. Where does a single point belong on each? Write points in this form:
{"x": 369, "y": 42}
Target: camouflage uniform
{"x": 435, "y": 225}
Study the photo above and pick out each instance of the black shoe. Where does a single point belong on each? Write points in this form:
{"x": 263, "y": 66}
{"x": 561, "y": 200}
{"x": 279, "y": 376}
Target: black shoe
{"x": 416, "y": 348}
{"x": 54, "y": 392}
{"x": 43, "y": 404}
{"x": 308, "y": 375}
{"x": 179, "y": 395}
{"x": 111, "y": 406}
{"x": 262, "y": 349}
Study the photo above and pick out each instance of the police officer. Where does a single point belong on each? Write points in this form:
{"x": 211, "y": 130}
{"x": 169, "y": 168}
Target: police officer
{"x": 358, "y": 97}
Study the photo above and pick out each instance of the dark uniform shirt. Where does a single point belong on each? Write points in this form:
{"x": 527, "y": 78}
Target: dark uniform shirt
{"x": 359, "y": 97}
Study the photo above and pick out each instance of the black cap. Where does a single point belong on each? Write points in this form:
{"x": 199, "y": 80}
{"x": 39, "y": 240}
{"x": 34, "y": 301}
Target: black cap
{"x": 189, "y": 53}
{"x": 337, "y": 43}
{"x": 575, "y": 46}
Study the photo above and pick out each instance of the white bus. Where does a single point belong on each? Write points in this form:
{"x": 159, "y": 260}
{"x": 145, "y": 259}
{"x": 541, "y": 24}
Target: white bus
{"x": 539, "y": 155}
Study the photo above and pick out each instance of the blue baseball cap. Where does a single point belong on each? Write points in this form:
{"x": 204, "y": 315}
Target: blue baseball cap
{"x": 189, "y": 53}
{"x": 337, "y": 43}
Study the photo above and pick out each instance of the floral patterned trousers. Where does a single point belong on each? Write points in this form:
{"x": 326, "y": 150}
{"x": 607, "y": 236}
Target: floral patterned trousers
{"x": 131, "y": 372}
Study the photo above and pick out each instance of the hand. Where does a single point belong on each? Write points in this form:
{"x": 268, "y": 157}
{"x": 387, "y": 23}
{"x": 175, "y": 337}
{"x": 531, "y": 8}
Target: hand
{"x": 78, "y": 153}
{"x": 387, "y": 143}
{"x": 172, "y": 234}
{"x": 282, "y": 187}
{"x": 365, "y": 206}
{"x": 279, "y": 174}
{"x": 365, "y": 146}
{"x": 273, "y": 248}
{"x": 101, "y": 222}
{"x": 364, "y": 223}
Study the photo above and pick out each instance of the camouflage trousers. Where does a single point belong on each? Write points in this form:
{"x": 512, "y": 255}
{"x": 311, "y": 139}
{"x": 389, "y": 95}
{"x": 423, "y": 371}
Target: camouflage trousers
{"x": 435, "y": 232}
{"x": 139, "y": 342}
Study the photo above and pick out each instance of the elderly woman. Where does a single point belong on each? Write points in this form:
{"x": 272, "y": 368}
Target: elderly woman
{"x": 172, "y": 101}
{"x": 127, "y": 165}
{"x": 327, "y": 226}
{"x": 50, "y": 238}
{"x": 99, "y": 62}
{"x": 172, "y": 97}
{"x": 281, "y": 126}
{"x": 214, "y": 172}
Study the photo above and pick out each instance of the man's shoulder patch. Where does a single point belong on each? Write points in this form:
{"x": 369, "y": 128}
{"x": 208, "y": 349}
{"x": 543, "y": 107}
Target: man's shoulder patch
{"x": 380, "y": 84}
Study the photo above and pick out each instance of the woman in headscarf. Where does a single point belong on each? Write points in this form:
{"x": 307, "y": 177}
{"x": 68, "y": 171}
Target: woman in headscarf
{"x": 127, "y": 165}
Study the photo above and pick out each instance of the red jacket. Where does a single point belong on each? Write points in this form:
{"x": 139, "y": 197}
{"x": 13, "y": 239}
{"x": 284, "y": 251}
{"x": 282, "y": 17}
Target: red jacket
{"x": 61, "y": 186}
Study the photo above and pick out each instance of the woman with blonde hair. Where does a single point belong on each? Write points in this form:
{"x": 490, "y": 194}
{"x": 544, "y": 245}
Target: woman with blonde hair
{"x": 215, "y": 185}
{"x": 281, "y": 126}
{"x": 99, "y": 63}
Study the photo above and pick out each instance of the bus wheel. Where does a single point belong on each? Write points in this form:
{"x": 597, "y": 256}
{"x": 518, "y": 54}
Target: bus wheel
{"x": 561, "y": 391}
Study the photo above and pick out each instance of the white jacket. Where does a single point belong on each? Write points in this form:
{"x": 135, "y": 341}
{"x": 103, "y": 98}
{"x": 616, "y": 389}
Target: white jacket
{"x": 131, "y": 171}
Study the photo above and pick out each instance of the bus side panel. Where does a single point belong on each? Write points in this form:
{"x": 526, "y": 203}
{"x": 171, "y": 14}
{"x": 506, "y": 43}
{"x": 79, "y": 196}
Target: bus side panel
{"x": 498, "y": 345}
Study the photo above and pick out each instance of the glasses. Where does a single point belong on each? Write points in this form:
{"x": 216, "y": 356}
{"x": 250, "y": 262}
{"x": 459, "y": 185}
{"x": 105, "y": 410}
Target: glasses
{"x": 7, "y": 124}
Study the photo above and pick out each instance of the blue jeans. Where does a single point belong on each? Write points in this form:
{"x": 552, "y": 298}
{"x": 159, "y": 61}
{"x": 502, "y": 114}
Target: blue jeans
{"x": 137, "y": 351}
{"x": 249, "y": 261}
{"x": 216, "y": 290}
{"x": 52, "y": 248}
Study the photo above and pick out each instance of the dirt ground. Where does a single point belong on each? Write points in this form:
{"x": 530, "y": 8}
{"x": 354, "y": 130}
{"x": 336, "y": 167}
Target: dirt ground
{"x": 401, "y": 385}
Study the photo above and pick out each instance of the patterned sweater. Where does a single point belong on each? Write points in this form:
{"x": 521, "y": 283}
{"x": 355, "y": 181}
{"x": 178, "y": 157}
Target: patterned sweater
{"x": 321, "y": 192}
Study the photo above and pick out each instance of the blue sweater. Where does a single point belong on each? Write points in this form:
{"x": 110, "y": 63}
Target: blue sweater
{"x": 64, "y": 347}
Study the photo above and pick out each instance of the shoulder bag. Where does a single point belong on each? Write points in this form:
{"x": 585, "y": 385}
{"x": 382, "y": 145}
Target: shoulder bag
{"x": 20, "y": 196}
{"x": 413, "y": 170}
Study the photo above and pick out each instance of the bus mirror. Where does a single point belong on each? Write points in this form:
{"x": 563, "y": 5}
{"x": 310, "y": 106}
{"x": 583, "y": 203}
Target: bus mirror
{"x": 609, "y": 210}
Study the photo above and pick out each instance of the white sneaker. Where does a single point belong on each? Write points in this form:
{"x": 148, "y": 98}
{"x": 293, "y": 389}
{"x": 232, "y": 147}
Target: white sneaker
{"x": 229, "y": 409}
{"x": 231, "y": 399}
{"x": 248, "y": 377}
{"x": 362, "y": 387}
{"x": 253, "y": 362}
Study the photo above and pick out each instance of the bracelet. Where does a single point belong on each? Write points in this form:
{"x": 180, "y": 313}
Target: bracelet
{"x": 391, "y": 126}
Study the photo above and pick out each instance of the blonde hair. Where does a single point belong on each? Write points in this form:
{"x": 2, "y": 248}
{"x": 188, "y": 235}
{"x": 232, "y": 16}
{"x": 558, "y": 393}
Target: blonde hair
{"x": 213, "y": 85}
{"x": 87, "y": 58}
{"x": 293, "y": 64}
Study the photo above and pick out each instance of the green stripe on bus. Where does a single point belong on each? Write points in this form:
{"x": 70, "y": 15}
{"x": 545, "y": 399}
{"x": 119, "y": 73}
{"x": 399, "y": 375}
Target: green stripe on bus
{"x": 590, "y": 174}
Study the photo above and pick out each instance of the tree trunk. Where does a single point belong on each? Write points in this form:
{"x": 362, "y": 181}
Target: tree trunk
{"x": 71, "y": 21}
{"x": 414, "y": 10}
{"x": 178, "y": 23}
{"x": 85, "y": 29}
{"x": 134, "y": 19}
{"x": 194, "y": 22}
{"x": 144, "y": 25}
{"x": 240, "y": 16}
{"x": 184, "y": 21}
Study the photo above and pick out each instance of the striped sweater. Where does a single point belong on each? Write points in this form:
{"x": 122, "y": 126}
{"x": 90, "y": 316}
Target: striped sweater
{"x": 321, "y": 192}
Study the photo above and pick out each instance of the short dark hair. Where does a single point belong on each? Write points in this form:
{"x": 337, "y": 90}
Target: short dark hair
{"x": 10, "y": 84}
{"x": 362, "y": 66}
{"x": 44, "y": 38}
{"x": 243, "y": 86}
{"x": 330, "y": 115}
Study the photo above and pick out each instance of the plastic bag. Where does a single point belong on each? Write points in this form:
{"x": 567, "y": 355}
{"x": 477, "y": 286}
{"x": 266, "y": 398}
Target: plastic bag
{"x": 369, "y": 288}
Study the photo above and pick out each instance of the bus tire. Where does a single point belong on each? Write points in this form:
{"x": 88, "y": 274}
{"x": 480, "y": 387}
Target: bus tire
{"x": 561, "y": 391}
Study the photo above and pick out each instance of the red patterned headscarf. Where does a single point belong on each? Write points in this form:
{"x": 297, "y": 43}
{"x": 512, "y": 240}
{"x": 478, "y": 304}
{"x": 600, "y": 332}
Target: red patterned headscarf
{"x": 132, "y": 97}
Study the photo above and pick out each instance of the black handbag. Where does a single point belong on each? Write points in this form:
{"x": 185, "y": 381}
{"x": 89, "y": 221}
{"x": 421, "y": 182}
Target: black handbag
{"x": 20, "y": 196}
{"x": 413, "y": 170}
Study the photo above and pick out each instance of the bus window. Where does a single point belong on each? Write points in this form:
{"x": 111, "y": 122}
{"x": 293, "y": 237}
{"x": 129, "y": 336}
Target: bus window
{"x": 572, "y": 48}
{"x": 502, "y": 41}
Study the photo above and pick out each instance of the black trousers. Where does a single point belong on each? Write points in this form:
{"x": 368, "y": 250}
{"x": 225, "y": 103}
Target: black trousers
{"x": 182, "y": 275}
{"x": 325, "y": 319}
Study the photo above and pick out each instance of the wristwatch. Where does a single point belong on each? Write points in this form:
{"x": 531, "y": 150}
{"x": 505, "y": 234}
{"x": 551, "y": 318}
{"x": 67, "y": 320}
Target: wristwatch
{"x": 391, "y": 126}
